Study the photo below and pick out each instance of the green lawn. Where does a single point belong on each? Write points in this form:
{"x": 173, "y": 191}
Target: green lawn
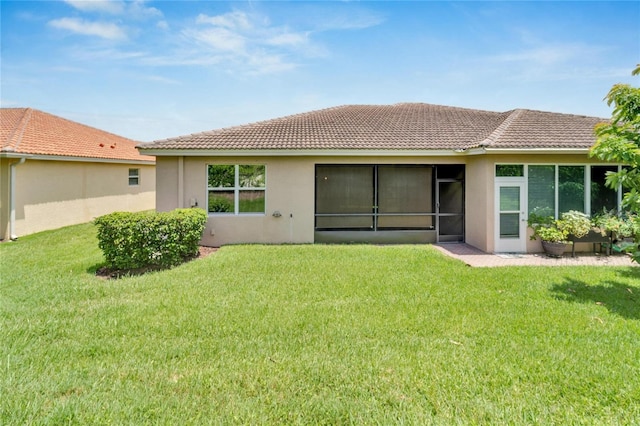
{"x": 313, "y": 335}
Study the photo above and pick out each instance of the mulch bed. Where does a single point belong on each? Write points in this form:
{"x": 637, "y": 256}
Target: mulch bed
{"x": 108, "y": 273}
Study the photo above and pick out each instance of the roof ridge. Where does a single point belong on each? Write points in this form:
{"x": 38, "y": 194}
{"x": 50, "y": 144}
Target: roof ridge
{"x": 502, "y": 128}
{"x": 18, "y": 132}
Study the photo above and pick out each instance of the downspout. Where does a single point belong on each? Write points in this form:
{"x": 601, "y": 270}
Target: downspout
{"x": 12, "y": 198}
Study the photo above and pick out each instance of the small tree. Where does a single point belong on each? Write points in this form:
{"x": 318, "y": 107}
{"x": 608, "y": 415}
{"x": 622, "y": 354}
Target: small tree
{"x": 619, "y": 141}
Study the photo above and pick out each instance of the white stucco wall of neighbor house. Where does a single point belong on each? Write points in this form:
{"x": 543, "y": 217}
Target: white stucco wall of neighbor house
{"x": 52, "y": 194}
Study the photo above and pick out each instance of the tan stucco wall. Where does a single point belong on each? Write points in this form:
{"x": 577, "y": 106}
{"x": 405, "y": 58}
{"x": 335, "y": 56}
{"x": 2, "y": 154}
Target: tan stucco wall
{"x": 290, "y": 190}
{"x": 479, "y": 203}
{"x": 51, "y": 194}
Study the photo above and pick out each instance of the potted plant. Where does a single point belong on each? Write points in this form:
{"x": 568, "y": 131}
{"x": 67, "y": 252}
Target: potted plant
{"x": 623, "y": 229}
{"x": 575, "y": 223}
{"x": 554, "y": 233}
{"x": 553, "y": 237}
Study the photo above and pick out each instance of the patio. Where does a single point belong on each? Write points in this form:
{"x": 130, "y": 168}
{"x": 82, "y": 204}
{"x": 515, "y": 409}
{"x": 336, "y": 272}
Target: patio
{"x": 477, "y": 258}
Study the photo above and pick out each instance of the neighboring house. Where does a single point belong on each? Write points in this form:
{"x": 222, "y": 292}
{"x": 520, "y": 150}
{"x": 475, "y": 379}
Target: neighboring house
{"x": 55, "y": 172}
{"x": 404, "y": 173}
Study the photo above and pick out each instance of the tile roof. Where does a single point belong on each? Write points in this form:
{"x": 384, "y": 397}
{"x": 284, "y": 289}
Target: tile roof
{"x": 30, "y": 131}
{"x": 405, "y": 126}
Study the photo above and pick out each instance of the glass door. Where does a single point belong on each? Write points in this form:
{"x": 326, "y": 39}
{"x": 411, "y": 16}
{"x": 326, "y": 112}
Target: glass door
{"x": 511, "y": 223}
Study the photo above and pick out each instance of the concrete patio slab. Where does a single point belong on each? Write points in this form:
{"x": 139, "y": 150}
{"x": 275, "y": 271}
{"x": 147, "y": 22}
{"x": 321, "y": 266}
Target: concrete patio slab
{"x": 477, "y": 258}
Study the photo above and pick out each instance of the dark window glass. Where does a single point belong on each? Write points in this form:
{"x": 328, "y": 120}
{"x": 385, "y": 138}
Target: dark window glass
{"x": 509, "y": 170}
{"x": 570, "y": 189}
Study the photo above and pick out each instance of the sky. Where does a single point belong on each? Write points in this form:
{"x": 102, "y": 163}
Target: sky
{"x": 150, "y": 70}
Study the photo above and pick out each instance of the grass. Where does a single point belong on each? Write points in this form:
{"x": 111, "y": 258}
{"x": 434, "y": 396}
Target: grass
{"x": 313, "y": 334}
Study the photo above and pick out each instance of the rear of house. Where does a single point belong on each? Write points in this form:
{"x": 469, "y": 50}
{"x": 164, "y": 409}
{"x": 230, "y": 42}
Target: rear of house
{"x": 404, "y": 173}
{"x": 55, "y": 172}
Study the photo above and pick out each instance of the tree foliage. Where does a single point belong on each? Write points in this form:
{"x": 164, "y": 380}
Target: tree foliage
{"x": 619, "y": 141}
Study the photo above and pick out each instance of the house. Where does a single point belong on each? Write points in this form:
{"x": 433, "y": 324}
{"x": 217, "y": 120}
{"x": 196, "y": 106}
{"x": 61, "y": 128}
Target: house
{"x": 55, "y": 172}
{"x": 403, "y": 173}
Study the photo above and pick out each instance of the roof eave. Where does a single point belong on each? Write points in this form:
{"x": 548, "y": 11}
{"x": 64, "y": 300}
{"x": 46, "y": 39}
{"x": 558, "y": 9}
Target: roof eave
{"x": 530, "y": 151}
{"x": 354, "y": 152}
{"x": 43, "y": 157}
{"x": 299, "y": 152}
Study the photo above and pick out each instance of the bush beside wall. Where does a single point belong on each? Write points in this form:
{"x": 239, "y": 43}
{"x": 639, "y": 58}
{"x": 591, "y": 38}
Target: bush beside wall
{"x": 139, "y": 240}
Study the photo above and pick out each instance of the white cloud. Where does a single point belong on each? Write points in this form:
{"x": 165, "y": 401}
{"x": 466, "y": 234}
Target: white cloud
{"x": 133, "y": 9}
{"x": 545, "y": 55}
{"x": 288, "y": 39}
{"x": 138, "y": 10}
{"x": 104, "y": 30}
{"x": 115, "y": 7}
{"x": 218, "y": 38}
{"x": 247, "y": 40}
{"x": 233, "y": 20}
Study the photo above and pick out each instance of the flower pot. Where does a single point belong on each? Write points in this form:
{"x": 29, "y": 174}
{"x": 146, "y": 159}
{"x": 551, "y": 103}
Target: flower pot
{"x": 554, "y": 249}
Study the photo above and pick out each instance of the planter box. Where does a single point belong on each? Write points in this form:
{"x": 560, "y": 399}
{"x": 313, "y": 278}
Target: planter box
{"x": 594, "y": 237}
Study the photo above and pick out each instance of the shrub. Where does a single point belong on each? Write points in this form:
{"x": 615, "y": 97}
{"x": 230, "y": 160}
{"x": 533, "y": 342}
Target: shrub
{"x": 139, "y": 240}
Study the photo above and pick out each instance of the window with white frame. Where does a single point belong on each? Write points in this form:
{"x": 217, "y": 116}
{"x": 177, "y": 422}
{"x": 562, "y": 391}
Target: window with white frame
{"x": 134, "y": 177}
{"x": 236, "y": 189}
{"x": 555, "y": 189}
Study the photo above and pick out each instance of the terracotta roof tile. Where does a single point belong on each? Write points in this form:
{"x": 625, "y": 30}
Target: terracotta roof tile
{"x": 406, "y": 126}
{"x": 29, "y": 131}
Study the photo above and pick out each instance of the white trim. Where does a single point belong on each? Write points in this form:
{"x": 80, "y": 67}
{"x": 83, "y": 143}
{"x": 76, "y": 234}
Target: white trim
{"x": 534, "y": 151}
{"x": 79, "y": 159}
{"x": 300, "y": 153}
{"x": 355, "y": 152}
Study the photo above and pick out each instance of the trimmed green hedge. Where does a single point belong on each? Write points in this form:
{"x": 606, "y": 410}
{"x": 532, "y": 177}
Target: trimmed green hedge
{"x": 139, "y": 240}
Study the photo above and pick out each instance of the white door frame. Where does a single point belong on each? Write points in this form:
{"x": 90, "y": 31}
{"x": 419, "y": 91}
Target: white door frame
{"x": 511, "y": 244}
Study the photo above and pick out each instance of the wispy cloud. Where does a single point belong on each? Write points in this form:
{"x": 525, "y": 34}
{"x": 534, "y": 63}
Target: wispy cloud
{"x": 104, "y": 6}
{"x": 248, "y": 40}
{"x": 245, "y": 42}
{"x": 546, "y": 55}
{"x": 133, "y": 9}
{"x": 106, "y": 30}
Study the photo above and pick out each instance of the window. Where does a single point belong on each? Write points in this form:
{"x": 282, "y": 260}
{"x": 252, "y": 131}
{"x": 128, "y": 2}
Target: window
{"x": 542, "y": 190}
{"x": 603, "y": 198}
{"x": 555, "y": 189}
{"x": 134, "y": 177}
{"x": 509, "y": 170}
{"x": 571, "y": 189}
{"x": 236, "y": 189}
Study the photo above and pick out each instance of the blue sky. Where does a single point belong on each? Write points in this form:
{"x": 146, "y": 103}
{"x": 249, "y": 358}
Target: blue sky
{"x": 149, "y": 70}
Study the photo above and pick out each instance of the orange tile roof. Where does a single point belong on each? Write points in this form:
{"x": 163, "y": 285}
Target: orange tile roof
{"x": 405, "y": 126}
{"x": 29, "y": 131}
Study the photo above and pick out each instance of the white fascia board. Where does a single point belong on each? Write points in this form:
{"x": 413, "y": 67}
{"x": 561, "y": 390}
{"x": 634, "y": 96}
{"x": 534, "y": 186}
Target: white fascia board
{"x": 78, "y": 159}
{"x": 298, "y": 153}
{"x": 531, "y": 151}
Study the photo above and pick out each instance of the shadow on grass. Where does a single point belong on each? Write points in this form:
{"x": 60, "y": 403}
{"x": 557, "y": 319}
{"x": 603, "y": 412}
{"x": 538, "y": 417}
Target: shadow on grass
{"x": 618, "y": 298}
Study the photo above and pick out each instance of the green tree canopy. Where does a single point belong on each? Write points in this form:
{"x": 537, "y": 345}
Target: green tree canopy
{"x": 619, "y": 141}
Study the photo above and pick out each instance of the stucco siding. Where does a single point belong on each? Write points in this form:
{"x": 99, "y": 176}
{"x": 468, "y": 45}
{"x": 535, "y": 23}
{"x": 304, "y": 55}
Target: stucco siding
{"x": 52, "y": 194}
{"x": 166, "y": 183}
{"x": 290, "y": 191}
{"x": 479, "y": 203}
